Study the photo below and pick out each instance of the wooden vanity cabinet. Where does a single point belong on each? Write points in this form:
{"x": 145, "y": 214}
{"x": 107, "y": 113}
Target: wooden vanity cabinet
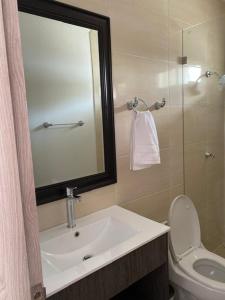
{"x": 141, "y": 275}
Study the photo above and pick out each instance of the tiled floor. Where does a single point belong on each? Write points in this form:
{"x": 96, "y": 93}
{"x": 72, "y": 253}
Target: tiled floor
{"x": 220, "y": 251}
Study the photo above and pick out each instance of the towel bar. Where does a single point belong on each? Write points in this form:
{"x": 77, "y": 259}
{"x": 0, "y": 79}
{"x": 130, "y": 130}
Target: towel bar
{"x": 47, "y": 125}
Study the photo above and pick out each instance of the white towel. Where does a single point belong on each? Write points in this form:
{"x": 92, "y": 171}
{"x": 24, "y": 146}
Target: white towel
{"x": 144, "y": 142}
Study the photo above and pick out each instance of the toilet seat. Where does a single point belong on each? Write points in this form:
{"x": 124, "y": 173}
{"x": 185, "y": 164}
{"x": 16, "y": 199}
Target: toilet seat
{"x": 187, "y": 266}
{"x": 185, "y": 232}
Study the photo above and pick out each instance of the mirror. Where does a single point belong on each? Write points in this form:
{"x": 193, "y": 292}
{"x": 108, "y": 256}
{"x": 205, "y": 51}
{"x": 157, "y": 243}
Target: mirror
{"x": 61, "y": 64}
{"x": 67, "y": 67}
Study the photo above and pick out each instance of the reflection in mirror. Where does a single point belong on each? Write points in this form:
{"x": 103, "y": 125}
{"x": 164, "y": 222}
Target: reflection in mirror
{"x": 61, "y": 63}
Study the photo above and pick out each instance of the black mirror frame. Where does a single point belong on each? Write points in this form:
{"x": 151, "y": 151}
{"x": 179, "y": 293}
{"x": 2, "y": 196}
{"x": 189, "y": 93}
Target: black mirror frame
{"x": 73, "y": 15}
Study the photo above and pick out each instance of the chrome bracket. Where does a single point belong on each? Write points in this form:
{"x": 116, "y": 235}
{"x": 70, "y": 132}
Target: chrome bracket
{"x": 38, "y": 292}
{"x": 208, "y": 74}
{"x": 132, "y": 105}
{"x": 183, "y": 60}
{"x": 159, "y": 105}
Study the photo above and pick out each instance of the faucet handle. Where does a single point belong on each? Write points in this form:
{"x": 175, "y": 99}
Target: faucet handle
{"x": 70, "y": 191}
{"x": 70, "y": 194}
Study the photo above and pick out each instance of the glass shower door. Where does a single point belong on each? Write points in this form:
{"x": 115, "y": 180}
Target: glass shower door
{"x": 203, "y": 107}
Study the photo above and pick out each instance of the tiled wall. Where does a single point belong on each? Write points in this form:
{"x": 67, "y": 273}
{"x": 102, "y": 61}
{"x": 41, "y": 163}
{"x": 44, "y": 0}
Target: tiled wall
{"x": 146, "y": 44}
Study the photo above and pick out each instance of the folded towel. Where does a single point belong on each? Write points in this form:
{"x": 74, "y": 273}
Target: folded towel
{"x": 144, "y": 142}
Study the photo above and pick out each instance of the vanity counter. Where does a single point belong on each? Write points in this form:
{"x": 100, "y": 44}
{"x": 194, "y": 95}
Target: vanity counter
{"x": 112, "y": 243}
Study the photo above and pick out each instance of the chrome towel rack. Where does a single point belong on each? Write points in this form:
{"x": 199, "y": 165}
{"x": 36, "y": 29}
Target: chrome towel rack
{"x": 133, "y": 104}
{"x": 47, "y": 124}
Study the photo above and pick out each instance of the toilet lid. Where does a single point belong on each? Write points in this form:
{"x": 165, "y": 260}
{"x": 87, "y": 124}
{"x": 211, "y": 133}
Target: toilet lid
{"x": 184, "y": 226}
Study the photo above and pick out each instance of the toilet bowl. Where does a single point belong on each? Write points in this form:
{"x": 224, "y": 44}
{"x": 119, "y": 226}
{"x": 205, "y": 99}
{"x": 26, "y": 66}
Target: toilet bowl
{"x": 196, "y": 273}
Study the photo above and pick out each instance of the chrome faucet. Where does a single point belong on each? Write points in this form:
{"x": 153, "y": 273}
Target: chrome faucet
{"x": 70, "y": 206}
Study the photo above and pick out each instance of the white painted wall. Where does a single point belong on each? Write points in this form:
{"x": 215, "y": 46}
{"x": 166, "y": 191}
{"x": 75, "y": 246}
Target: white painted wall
{"x": 59, "y": 85}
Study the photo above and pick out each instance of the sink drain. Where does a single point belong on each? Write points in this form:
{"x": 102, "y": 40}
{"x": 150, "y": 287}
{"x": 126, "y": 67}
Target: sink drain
{"x": 88, "y": 256}
{"x": 76, "y": 234}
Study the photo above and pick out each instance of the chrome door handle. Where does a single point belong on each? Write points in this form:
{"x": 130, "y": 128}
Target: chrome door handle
{"x": 210, "y": 155}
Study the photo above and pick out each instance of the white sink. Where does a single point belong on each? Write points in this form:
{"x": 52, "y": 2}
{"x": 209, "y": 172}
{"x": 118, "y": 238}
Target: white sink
{"x": 97, "y": 240}
{"x": 72, "y": 247}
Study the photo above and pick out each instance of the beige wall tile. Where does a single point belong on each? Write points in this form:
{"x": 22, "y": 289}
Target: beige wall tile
{"x": 195, "y": 175}
{"x": 204, "y": 184}
{"x": 175, "y": 128}
{"x": 123, "y": 123}
{"x": 215, "y": 199}
{"x": 96, "y": 200}
{"x": 214, "y": 237}
{"x": 176, "y": 191}
{"x": 139, "y": 28}
{"x": 51, "y": 214}
{"x": 137, "y": 76}
{"x": 195, "y": 123}
{"x": 204, "y": 43}
{"x": 133, "y": 184}
{"x": 157, "y": 7}
{"x": 196, "y": 11}
{"x": 216, "y": 43}
{"x": 175, "y": 39}
{"x": 175, "y": 84}
{"x": 195, "y": 44}
{"x": 151, "y": 206}
{"x": 195, "y": 104}
{"x": 220, "y": 250}
{"x": 215, "y": 166}
{"x": 154, "y": 206}
{"x": 215, "y": 123}
{"x": 176, "y": 166}
{"x": 54, "y": 213}
{"x": 98, "y": 6}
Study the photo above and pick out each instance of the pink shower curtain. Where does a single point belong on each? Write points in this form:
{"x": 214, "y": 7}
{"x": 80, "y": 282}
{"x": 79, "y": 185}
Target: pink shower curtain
{"x": 20, "y": 262}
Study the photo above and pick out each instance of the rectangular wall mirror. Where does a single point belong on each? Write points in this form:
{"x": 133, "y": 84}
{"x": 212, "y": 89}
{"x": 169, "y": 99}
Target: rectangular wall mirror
{"x": 67, "y": 66}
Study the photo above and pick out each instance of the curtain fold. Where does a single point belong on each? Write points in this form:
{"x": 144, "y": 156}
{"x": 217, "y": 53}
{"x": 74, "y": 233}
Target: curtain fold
{"x": 18, "y": 205}
{"x": 14, "y": 273}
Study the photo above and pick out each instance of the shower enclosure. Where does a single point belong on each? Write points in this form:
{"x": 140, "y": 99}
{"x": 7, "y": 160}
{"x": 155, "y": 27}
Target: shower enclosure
{"x": 203, "y": 108}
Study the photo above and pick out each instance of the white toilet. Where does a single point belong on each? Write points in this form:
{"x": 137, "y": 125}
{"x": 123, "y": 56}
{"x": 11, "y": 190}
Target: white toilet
{"x": 196, "y": 273}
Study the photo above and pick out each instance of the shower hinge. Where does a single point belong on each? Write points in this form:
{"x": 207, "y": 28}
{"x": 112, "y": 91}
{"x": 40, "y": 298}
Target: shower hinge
{"x": 183, "y": 60}
{"x": 38, "y": 292}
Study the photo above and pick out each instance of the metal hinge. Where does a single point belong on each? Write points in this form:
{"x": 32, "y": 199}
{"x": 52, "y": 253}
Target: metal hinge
{"x": 38, "y": 292}
{"x": 183, "y": 60}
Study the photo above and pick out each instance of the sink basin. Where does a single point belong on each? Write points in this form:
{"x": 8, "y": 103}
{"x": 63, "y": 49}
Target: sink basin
{"x": 85, "y": 241}
{"x": 68, "y": 255}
